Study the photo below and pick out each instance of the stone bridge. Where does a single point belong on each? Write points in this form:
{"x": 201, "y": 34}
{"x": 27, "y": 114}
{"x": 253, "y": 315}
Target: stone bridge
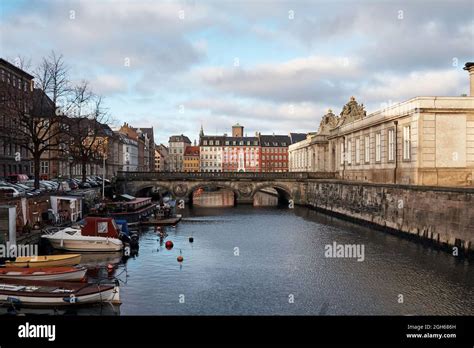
{"x": 289, "y": 186}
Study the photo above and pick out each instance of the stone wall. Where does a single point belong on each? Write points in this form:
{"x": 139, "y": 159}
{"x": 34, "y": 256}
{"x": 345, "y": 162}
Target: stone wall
{"x": 443, "y": 215}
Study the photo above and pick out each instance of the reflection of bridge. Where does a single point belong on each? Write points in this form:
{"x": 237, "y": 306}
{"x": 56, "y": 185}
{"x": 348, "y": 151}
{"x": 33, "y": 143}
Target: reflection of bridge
{"x": 289, "y": 186}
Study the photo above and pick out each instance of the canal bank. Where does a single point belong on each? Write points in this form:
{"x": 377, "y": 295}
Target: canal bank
{"x": 443, "y": 216}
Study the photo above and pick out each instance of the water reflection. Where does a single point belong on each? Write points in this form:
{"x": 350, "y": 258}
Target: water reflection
{"x": 266, "y": 199}
{"x": 217, "y": 198}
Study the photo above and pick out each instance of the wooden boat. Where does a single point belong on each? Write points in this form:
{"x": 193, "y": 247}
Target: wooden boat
{"x": 98, "y": 234}
{"x": 45, "y": 261}
{"x": 46, "y": 273}
{"x": 36, "y": 293}
{"x": 162, "y": 222}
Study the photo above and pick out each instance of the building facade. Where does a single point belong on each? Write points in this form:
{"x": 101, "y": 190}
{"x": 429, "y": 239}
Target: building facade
{"x": 274, "y": 153}
{"x": 161, "y": 158}
{"x": 177, "y": 146}
{"x": 15, "y": 85}
{"x": 422, "y": 141}
{"x": 210, "y": 151}
{"x": 191, "y": 162}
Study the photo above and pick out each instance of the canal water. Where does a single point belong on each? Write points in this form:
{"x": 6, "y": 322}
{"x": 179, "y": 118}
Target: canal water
{"x": 264, "y": 260}
{"x": 249, "y": 260}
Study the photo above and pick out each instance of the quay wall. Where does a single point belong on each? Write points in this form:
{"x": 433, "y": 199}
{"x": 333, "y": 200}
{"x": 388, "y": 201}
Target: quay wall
{"x": 442, "y": 215}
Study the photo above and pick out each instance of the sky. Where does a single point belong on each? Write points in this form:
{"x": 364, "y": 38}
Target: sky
{"x": 273, "y": 66}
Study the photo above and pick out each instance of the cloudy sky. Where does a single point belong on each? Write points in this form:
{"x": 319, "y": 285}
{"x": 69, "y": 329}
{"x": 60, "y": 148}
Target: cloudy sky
{"x": 273, "y": 66}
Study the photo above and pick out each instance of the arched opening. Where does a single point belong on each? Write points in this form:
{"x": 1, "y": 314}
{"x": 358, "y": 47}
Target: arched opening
{"x": 157, "y": 193}
{"x": 271, "y": 195}
{"x": 212, "y": 196}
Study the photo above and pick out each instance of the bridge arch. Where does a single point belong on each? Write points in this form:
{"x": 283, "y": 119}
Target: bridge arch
{"x": 283, "y": 191}
{"x": 150, "y": 189}
{"x": 193, "y": 188}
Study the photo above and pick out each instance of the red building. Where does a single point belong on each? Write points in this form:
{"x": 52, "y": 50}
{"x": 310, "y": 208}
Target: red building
{"x": 241, "y": 154}
{"x": 274, "y": 153}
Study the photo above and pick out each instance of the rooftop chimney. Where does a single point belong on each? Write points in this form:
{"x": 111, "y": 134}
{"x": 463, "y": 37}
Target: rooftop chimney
{"x": 470, "y": 67}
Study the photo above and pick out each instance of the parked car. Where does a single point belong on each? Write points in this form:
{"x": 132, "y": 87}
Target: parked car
{"x": 72, "y": 184}
{"x": 15, "y": 178}
{"x": 83, "y": 185}
{"x": 8, "y": 191}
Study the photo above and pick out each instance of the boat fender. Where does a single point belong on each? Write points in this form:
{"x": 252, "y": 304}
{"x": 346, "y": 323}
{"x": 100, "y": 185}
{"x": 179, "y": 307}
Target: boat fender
{"x": 191, "y": 239}
{"x": 110, "y": 267}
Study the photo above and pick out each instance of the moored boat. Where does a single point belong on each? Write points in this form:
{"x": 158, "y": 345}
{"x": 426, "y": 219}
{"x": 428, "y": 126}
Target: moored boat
{"x": 44, "y": 273}
{"x": 71, "y": 239}
{"x": 98, "y": 234}
{"x": 162, "y": 222}
{"x": 44, "y": 261}
{"x": 37, "y": 293}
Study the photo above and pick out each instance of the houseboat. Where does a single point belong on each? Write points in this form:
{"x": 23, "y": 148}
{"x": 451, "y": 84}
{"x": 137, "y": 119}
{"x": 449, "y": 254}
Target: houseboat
{"x": 131, "y": 209}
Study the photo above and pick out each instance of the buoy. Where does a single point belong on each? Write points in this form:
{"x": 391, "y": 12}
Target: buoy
{"x": 169, "y": 245}
{"x": 110, "y": 267}
{"x": 191, "y": 239}
{"x": 180, "y": 258}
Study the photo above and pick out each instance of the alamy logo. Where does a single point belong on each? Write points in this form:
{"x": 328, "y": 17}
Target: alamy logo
{"x": 37, "y": 331}
{"x": 345, "y": 251}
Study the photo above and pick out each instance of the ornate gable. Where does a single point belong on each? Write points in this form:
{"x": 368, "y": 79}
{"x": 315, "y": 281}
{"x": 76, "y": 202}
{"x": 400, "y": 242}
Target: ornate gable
{"x": 352, "y": 111}
{"x": 328, "y": 122}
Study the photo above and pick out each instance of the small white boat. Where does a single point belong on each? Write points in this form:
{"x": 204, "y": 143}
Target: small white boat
{"x": 72, "y": 239}
{"x": 43, "y": 273}
{"x": 38, "y": 293}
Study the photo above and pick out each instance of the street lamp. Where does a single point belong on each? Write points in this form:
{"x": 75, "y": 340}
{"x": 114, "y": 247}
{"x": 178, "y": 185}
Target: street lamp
{"x": 104, "y": 157}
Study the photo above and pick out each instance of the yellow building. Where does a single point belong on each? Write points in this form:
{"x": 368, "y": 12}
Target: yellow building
{"x": 191, "y": 159}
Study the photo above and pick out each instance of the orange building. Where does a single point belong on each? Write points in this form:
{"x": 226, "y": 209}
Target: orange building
{"x": 191, "y": 159}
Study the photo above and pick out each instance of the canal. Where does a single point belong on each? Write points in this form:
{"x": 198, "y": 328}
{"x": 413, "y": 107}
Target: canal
{"x": 270, "y": 260}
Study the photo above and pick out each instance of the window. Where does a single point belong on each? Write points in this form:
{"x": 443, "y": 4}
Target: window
{"x": 357, "y": 150}
{"x": 391, "y": 144}
{"x": 349, "y": 151}
{"x": 44, "y": 167}
{"x": 342, "y": 153}
{"x": 204, "y": 142}
{"x": 367, "y": 149}
{"x": 211, "y": 142}
{"x": 378, "y": 147}
{"x": 227, "y": 142}
{"x": 217, "y": 142}
{"x": 406, "y": 143}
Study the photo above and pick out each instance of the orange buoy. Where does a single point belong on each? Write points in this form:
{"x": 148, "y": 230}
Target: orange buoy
{"x": 180, "y": 258}
{"x": 169, "y": 245}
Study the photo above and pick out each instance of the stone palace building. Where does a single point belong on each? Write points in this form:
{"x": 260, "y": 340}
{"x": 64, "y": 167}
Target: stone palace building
{"x": 422, "y": 141}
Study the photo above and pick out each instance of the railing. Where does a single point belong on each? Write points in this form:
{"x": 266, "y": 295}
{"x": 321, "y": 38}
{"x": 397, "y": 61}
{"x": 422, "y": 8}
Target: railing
{"x": 123, "y": 175}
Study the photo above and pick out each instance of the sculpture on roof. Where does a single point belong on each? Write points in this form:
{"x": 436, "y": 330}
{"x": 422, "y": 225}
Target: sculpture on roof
{"x": 352, "y": 111}
{"x": 328, "y": 122}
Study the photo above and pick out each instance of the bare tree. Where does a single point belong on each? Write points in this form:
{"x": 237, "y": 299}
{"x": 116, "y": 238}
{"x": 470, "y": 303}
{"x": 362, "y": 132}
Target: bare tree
{"x": 32, "y": 120}
{"x": 86, "y": 127}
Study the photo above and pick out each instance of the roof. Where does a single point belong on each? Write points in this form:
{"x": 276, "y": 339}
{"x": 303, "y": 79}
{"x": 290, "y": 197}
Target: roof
{"x": 213, "y": 138}
{"x": 191, "y": 151}
{"x": 274, "y": 140}
{"x": 236, "y": 125}
{"x": 179, "y": 139}
{"x": 42, "y": 104}
{"x": 297, "y": 137}
{"x": 468, "y": 65}
{"x": 16, "y": 69}
{"x": 244, "y": 139}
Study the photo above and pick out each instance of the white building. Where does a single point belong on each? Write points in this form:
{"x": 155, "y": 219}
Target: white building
{"x": 210, "y": 148}
{"x": 177, "y": 145}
